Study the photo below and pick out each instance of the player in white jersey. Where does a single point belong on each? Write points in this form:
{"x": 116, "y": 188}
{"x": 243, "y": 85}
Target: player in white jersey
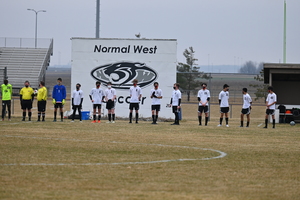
{"x": 224, "y": 105}
{"x": 110, "y": 97}
{"x": 203, "y": 98}
{"x": 156, "y": 95}
{"x": 135, "y": 98}
{"x": 246, "y": 107}
{"x": 271, "y": 104}
{"x": 96, "y": 97}
{"x": 77, "y": 99}
{"x": 175, "y": 102}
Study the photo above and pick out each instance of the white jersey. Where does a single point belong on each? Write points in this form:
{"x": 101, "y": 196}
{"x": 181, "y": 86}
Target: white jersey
{"x": 110, "y": 93}
{"x": 176, "y": 95}
{"x": 224, "y": 96}
{"x": 247, "y": 101}
{"x": 203, "y": 95}
{"x": 271, "y": 99}
{"x": 97, "y": 95}
{"x": 158, "y": 93}
{"x": 77, "y": 96}
{"x": 135, "y": 93}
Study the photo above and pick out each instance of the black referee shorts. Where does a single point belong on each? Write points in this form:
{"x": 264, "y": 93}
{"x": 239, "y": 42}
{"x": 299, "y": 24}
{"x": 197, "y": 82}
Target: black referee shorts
{"x": 26, "y": 104}
{"x": 135, "y": 106}
{"x": 42, "y": 106}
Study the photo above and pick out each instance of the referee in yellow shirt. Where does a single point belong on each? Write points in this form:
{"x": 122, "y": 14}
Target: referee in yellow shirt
{"x": 26, "y": 99}
{"x": 42, "y": 101}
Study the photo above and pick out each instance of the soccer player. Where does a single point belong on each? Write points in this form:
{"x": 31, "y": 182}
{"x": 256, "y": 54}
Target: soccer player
{"x": 77, "y": 99}
{"x": 135, "y": 98}
{"x": 156, "y": 96}
{"x": 224, "y": 105}
{"x": 175, "y": 102}
{"x": 96, "y": 96}
{"x": 26, "y": 99}
{"x": 110, "y": 97}
{"x": 203, "y": 98}
{"x": 246, "y": 107}
{"x": 42, "y": 101}
{"x": 6, "y": 90}
{"x": 59, "y": 95}
{"x": 271, "y": 104}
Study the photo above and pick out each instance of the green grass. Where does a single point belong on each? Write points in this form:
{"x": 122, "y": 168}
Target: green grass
{"x": 260, "y": 163}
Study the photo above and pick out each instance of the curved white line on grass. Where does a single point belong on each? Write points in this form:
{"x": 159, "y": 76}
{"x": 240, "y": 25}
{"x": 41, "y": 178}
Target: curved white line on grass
{"x": 222, "y": 154}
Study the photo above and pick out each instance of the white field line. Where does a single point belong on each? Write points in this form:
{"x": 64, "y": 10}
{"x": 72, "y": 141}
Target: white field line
{"x": 222, "y": 154}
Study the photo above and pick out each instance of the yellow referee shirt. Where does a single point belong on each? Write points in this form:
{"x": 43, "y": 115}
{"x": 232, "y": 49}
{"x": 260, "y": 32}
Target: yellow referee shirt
{"x": 42, "y": 94}
{"x": 26, "y": 93}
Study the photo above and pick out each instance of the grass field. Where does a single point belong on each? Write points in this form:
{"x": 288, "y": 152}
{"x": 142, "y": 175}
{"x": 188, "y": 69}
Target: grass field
{"x": 142, "y": 161}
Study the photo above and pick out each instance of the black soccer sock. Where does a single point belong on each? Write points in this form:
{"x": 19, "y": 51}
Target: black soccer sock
{"x": 266, "y": 122}
{"x": 79, "y": 112}
{"x": 176, "y": 118}
{"x": 113, "y": 117}
{"x": 153, "y": 118}
{"x": 29, "y": 114}
{"x": 206, "y": 120}
{"x": 248, "y": 124}
{"x": 109, "y": 117}
{"x": 242, "y": 123}
{"x": 39, "y": 116}
{"x": 55, "y": 113}
{"x": 130, "y": 117}
{"x": 94, "y": 117}
{"x": 61, "y": 115}
{"x": 24, "y": 115}
{"x": 226, "y": 121}
{"x": 273, "y": 123}
{"x": 156, "y": 117}
{"x": 99, "y": 117}
{"x": 43, "y": 116}
{"x": 200, "y": 119}
{"x": 221, "y": 120}
{"x": 136, "y": 117}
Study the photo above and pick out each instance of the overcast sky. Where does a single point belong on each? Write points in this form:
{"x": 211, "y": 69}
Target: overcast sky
{"x": 221, "y": 31}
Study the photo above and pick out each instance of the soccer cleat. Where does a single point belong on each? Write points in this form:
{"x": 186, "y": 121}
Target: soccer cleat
{"x": 108, "y": 122}
{"x": 9, "y": 119}
{"x": 54, "y": 120}
{"x": 38, "y": 120}
{"x": 113, "y": 122}
{"x": 136, "y": 122}
{"x": 265, "y": 127}
{"x": 227, "y": 125}
{"x": 80, "y": 121}
{"x": 2, "y": 119}
{"x": 99, "y": 121}
{"x": 247, "y": 126}
{"x": 23, "y": 119}
{"x": 29, "y": 119}
{"x": 61, "y": 120}
{"x": 94, "y": 121}
{"x": 200, "y": 124}
{"x": 241, "y": 126}
{"x": 219, "y": 125}
{"x": 130, "y": 122}
{"x": 174, "y": 124}
{"x": 72, "y": 121}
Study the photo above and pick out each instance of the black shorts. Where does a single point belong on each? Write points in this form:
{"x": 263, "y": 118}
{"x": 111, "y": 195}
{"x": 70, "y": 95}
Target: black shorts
{"x": 95, "y": 106}
{"x": 110, "y": 104}
{"x": 41, "y": 106}
{"x": 6, "y": 102}
{"x": 26, "y": 104}
{"x": 245, "y": 111}
{"x": 270, "y": 112}
{"x": 202, "y": 109}
{"x": 155, "y": 107}
{"x": 135, "y": 106}
{"x": 175, "y": 109}
{"x": 224, "y": 110}
{"x": 58, "y": 105}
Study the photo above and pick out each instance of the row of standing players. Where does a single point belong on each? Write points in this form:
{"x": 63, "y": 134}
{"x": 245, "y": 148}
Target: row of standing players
{"x": 97, "y": 96}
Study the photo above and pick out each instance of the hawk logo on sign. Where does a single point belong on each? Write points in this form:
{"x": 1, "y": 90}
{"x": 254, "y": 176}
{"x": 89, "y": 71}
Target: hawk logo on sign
{"x": 122, "y": 74}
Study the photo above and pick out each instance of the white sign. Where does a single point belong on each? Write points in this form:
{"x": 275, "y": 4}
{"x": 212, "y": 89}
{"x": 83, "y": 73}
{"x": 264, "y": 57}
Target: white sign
{"x": 120, "y": 61}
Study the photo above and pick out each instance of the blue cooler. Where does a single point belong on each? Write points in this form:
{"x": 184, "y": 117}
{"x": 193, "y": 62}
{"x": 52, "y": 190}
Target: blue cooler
{"x": 85, "y": 115}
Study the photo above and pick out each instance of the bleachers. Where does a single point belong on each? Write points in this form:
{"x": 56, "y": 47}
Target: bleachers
{"x": 25, "y": 64}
